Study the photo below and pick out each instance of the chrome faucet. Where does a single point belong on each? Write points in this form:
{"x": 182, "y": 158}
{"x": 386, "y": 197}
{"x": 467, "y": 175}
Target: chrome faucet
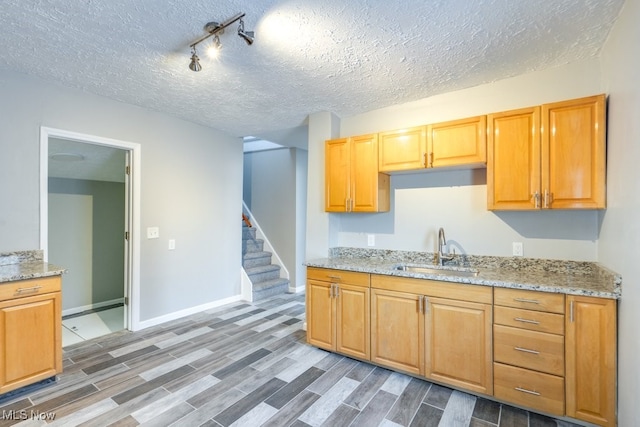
{"x": 441, "y": 242}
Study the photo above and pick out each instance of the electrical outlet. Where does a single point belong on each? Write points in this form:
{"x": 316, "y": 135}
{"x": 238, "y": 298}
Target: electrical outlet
{"x": 517, "y": 249}
{"x": 153, "y": 232}
{"x": 172, "y": 244}
{"x": 371, "y": 239}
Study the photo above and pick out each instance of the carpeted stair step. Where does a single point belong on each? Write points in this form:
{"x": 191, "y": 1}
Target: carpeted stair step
{"x": 263, "y": 273}
{"x": 256, "y": 245}
{"x": 248, "y": 233}
{"x": 256, "y": 259}
{"x": 270, "y": 288}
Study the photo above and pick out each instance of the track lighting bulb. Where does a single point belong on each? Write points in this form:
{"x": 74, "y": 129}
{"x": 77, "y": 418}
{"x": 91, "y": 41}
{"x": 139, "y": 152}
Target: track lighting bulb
{"x": 247, "y": 36}
{"x": 213, "y": 51}
{"x": 194, "y": 65}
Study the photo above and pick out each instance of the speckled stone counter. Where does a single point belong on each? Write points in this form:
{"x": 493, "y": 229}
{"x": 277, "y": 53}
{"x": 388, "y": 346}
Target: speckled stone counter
{"x": 567, "y": 277}
{"x": 25, "y": 265}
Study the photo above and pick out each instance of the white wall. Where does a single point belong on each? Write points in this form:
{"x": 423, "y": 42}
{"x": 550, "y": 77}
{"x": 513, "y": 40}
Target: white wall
{"x": 191, "y": 187}
{"x": 456, "y": 200}
{"x": 620, "y": 234}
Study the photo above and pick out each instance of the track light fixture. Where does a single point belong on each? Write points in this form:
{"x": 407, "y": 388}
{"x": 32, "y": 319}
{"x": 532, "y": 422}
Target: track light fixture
{"x": 247, "y": 36}
{"x": 194, "y": 65}
{"x": 214, "y": 29}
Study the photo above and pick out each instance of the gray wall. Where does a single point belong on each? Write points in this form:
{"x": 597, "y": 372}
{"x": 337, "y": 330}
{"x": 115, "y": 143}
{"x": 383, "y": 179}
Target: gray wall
{"x": 107, "y": 260}
{"x": 275, "y": 192}
{"x": 620, "y": 231}
{"x": 191, "y": 188}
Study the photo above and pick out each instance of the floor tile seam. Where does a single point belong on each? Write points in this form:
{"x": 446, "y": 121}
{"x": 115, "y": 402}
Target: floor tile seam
{"x": 385, "y": 415}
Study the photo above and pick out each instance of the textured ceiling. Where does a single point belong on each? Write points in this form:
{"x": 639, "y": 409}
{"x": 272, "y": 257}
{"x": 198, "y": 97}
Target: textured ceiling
{"x": 346, "y": 57}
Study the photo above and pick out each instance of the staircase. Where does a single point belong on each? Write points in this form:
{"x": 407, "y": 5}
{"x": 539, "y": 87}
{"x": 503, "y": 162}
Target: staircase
{"x": 264, "y": 276}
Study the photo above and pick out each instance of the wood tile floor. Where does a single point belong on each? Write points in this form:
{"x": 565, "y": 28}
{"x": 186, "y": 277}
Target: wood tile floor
{"x": 242, "y": 365}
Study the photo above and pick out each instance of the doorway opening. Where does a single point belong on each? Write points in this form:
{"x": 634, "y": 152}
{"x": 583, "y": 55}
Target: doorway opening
{"x": 88, "y": 219}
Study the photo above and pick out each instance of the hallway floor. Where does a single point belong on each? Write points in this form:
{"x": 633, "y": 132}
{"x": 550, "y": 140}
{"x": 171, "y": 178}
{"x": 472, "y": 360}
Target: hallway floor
{"x": 244, "y": 364}
{"x": 79, "y": 328}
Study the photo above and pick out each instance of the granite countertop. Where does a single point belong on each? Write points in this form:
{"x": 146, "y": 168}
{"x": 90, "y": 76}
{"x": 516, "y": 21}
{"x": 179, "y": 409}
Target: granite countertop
{"x": 566, "y": 277}
{"x": 25, "y": 265}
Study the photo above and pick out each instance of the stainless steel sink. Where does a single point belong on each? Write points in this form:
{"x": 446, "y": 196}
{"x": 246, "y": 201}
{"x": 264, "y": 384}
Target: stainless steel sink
{"x": 435, "y": 270}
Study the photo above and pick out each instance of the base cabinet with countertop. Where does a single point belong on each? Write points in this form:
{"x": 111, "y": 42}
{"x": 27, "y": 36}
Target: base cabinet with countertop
{"x": 438, "y": 330}
{"x": 338, "y": 311}
{"x": 30, "y": 331}
{"x": 544, "y": 351}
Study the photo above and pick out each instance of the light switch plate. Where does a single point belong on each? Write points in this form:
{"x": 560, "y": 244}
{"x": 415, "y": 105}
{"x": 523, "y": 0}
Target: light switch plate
{"x": 153, "y": 232}
{"x": 371, "y": 239}
{"x": 172, "y": 244}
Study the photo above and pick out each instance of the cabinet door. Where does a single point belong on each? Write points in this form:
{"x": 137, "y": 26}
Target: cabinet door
{"x": 458, "y": 142}
{"x": 320, "y": 315}
{"x": 403, "y": 149}
{"x": 30, "y": 340}
{"x": 397, "y": 330}
{"x": 591, "y": 359}
{"x": 337, "y": 175}
{"x": 364, "y": 176}
{"x": 574, "y": 153}
{"x": 352, "y": 321}
{"x": 458, "y": 344}
{"x": 513, "y": 163}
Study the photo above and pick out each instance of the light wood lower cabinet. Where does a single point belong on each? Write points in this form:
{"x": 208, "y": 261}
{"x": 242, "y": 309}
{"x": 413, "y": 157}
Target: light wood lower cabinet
{"x": 397, "y": 330}
{"x": 447, "y": 340}
{"x": 338, "y": 311}
{"x": 591, "y": 359}
{"x": 548, "y": 352}
{"x": 30, "y": 332}
{"x": 458, "y": 344}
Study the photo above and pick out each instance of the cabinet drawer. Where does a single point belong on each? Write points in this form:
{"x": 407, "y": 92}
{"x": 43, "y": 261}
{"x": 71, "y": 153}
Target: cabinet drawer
{"x": 532, "y": 389}
{"x": 338, "y": 276}
{"x": 528, "y": 349}
{"x": 25, "y": 288}
{"x": 528, "y": 319}
{"x": 530, "y": 300}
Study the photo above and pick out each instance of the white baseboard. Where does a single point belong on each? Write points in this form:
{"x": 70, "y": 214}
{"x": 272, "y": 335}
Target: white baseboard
{"x": 297, "y": 290}
{"x": 186, "y": 312}
{"x": 76, "y": 310}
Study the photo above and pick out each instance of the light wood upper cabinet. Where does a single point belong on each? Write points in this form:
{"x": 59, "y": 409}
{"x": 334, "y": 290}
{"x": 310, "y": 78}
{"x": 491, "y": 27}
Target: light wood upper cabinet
{"x": 30, "y": 332}
{"x": 453, "y": 143}
{"x": 338, "y": 313}
{"x": 403, "y": 149}
{"x": 513, "y": 161}
{"x": 458, "y": 344}
{"x": 591, "y": 360}
{"x": 352, "y": 180}
{"x": 337, "y": 174}
{"x": 548, "y": 157}
{"x": 457, "y": 142}
{"x": 574, "y": 153}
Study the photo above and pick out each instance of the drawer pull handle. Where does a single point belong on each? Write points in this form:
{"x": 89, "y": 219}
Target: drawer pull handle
{"x": 335, "y": 277}
{"x": 527, "y": 300}
{"x": 526, "y": 350}
{"x": 524, "y": 390}
{"x": 30, "y": 290}
{"x": 520, "y": 319}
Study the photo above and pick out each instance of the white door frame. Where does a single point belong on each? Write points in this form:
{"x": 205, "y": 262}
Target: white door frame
{"x": 133, "y": 222}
